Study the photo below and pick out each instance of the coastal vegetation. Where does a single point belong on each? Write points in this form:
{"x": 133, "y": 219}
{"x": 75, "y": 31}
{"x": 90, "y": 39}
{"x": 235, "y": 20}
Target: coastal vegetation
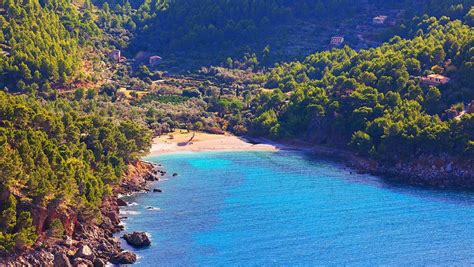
{"x": 73, "y": 119}
{"x": 211, "y": 31}
{"x": 372, "y": 99}
{"x": 52, "y": 153}
{"x": 40, "y": 44}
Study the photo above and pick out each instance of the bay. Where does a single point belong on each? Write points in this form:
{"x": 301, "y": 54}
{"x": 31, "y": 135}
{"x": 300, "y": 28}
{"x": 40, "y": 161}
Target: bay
{"x": 291, "y": 209}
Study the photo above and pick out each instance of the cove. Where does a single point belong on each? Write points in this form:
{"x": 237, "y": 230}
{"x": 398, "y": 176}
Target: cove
{"x": 288, "y": 208}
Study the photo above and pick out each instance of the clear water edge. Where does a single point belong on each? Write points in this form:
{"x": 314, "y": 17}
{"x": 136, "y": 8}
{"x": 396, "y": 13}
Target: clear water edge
{"x": 285, "y": 208}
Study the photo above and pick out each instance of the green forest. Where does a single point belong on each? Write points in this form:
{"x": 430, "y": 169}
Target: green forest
{"x": 41, "y": 44}
{"x": 230, "y": 28}
{"x": 72, "y": 119}
{"x": 371, "y": 99}
{"x": 50, "y": 152}
{"x": 52, "y": 149}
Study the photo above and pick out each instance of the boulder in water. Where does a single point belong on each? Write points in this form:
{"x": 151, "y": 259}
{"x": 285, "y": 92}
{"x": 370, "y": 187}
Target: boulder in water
{"x": 137, "y": 239}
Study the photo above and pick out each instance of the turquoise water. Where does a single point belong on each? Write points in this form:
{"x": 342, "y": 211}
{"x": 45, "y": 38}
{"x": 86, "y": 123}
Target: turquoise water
{"x": 286, "y": 208}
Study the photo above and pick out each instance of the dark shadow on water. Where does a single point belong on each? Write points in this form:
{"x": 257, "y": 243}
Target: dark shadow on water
{"x": 449, "y": 195}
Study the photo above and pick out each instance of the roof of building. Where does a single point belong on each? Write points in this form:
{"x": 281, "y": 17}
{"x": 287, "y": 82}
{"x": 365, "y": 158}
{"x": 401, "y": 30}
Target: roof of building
{"x": 437, "y": 76}
{"x": 337, "y": 39}
{"x": 380, "y": 19}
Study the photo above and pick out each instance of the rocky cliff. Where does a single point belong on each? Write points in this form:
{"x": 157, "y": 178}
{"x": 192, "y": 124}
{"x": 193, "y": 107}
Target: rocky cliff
{"x": 87, "y": 239}
{"x": 442, "y": 171}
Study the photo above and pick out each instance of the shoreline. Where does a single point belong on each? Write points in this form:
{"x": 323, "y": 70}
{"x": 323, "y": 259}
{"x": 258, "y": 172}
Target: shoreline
{"x": 182, "y": 141}
{"x": 88, "y": 241}
{"x": 104, "y": 247}
{"x": 426, "y": 170}
{"x": 356, "y": 162}
{"x": 403, "y": 173}
{"x": 441, "y": 172}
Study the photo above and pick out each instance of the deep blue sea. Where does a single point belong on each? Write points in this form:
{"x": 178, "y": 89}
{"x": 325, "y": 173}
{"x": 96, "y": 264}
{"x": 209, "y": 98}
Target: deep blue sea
{"x": 289, "y": 209}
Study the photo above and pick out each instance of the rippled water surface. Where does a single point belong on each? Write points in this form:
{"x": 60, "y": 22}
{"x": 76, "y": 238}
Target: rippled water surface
{"x": 285, "y": 208}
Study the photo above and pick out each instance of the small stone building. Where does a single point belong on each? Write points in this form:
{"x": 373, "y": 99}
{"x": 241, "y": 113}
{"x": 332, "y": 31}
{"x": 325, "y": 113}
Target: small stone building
{"x": 379, "y": 20}
{"x": 435, "y": 79}
{"x": 336, "y": 41}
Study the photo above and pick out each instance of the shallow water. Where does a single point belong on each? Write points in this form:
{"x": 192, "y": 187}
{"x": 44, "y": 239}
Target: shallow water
{"x": 285, "y": 208}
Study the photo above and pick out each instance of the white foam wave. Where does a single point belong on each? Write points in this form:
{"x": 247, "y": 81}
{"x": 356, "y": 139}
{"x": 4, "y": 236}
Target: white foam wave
{"x": 129, "y": 212}
{"x": 153, "y": 208}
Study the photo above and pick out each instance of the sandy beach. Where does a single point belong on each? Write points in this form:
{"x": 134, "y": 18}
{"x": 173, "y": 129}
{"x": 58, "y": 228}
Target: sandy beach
{"x": 183, "y": 141}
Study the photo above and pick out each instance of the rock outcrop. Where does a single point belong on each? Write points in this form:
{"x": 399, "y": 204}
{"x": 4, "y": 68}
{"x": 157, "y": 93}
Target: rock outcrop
{"x": 121, "y": 203}
{"x": 124, "y": 257}
{"x": 80, "y": 262}
{"x": 60, "y": 259}
{"x": 137, "y": 239}
{"x": 86, "y": 241}
{"x": 441, "y": 171}
{"x": 84, "y": 251}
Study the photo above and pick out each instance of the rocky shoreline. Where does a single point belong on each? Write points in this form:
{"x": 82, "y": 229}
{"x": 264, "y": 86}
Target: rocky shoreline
{"x": 441, "y": 171}
{"x": 90, "y": 242}
{"x": 86, "y": 241}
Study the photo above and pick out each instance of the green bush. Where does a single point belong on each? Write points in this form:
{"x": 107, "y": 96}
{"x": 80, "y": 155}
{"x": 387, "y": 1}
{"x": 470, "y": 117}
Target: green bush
{"x": 56, "y": 228}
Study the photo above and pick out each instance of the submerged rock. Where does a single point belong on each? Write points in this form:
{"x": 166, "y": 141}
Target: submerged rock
{"x": 124, "y": 257}
{"x": 156, "y": 190}
{"x": 137, "y": 239}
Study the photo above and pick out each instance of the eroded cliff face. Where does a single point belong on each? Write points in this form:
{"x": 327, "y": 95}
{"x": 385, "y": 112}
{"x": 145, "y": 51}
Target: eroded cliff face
{"x": 88, "y": 237}
{"x": 441, "y": 171}
{"x": 435, "y": 171}
{"x": 137, "y": 177}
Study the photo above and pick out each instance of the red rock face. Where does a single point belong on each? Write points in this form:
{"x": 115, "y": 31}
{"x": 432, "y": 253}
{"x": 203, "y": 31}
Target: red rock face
{"x": 68, "y": 218}
{"x": 81, "y": 230}
{"x": 44, "y": 216}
